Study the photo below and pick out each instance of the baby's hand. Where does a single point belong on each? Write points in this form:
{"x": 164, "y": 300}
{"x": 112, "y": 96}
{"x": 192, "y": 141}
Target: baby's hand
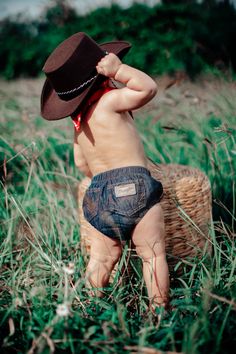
{"x": 109, "y": 65}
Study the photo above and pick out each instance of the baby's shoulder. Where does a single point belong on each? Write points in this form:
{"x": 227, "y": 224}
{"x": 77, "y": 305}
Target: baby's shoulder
{"x": 108, "y": 101}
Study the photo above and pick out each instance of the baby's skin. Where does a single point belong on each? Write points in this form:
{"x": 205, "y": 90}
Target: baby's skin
{"x": 107, "y": 140}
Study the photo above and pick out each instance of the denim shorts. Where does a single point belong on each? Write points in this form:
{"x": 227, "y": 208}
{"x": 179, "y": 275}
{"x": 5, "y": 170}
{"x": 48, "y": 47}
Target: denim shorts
{"x": 116, "y": 200}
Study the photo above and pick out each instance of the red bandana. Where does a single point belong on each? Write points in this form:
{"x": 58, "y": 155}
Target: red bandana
{"x": 104, "y": 88}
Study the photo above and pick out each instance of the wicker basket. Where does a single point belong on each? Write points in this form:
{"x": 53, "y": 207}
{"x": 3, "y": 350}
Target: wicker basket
{"x": 187, "y": 210}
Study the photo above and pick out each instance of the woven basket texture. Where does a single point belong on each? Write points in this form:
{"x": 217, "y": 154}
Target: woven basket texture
{"x": 187, "y": 206}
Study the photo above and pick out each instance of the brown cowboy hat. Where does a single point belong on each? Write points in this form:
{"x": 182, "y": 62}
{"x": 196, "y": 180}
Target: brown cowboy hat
{"x": 71, "y": 73}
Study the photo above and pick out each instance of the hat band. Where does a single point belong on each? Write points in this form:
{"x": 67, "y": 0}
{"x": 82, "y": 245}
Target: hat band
{"x": 80, "y": 87}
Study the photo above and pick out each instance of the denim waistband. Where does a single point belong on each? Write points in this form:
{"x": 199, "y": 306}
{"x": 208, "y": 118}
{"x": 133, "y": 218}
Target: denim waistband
{"x": 122, "y": 171}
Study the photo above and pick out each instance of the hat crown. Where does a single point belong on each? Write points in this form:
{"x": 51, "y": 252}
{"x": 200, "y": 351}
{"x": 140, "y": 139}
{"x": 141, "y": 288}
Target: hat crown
{"x": 73, "y": 63}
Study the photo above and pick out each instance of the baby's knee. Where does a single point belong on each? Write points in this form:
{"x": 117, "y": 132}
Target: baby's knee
{"x": 104, "y": 256}
{"x": 149, "y": 251}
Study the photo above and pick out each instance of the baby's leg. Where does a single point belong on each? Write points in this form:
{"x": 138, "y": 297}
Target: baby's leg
{"x": 149, "y": 240}
{"x": 104, "y": 254}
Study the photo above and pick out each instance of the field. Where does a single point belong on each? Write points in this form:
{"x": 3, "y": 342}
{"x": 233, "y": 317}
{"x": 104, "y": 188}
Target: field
{"x": 44, "y": 306}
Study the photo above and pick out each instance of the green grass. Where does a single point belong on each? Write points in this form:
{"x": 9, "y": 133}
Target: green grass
{"x": 39, "y": 234}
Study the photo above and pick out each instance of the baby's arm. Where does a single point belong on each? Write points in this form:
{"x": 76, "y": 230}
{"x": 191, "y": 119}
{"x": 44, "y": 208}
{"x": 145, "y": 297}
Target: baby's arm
{"x": 139, "y": 87}
{"x": 80, "y": 160}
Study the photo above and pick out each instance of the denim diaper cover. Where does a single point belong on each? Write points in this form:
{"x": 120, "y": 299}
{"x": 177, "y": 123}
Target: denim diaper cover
{"x": 116, "y": 200}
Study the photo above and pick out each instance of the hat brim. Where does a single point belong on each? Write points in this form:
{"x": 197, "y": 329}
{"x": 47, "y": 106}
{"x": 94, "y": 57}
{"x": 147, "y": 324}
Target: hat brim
{"x": 54, "y": 108}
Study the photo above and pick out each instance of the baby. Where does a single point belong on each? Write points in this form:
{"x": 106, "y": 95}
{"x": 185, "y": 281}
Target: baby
{"x": 122, "y": 201}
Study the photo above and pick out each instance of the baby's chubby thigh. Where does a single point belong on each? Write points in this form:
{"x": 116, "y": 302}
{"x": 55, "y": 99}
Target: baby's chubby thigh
{"x": 104, "y": 248}
{"x": 149, "y": 234}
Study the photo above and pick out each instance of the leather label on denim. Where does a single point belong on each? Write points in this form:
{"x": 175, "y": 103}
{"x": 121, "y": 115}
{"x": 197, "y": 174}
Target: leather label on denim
{"x": 125, "y": 190}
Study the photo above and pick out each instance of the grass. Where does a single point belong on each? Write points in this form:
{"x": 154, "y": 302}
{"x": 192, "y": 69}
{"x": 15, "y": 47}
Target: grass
{"x": 41, "y": 262}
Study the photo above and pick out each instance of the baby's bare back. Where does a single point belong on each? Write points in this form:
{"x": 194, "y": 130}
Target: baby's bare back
{"x": 110, "y": 140}
{"x": 108, "y": 137}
